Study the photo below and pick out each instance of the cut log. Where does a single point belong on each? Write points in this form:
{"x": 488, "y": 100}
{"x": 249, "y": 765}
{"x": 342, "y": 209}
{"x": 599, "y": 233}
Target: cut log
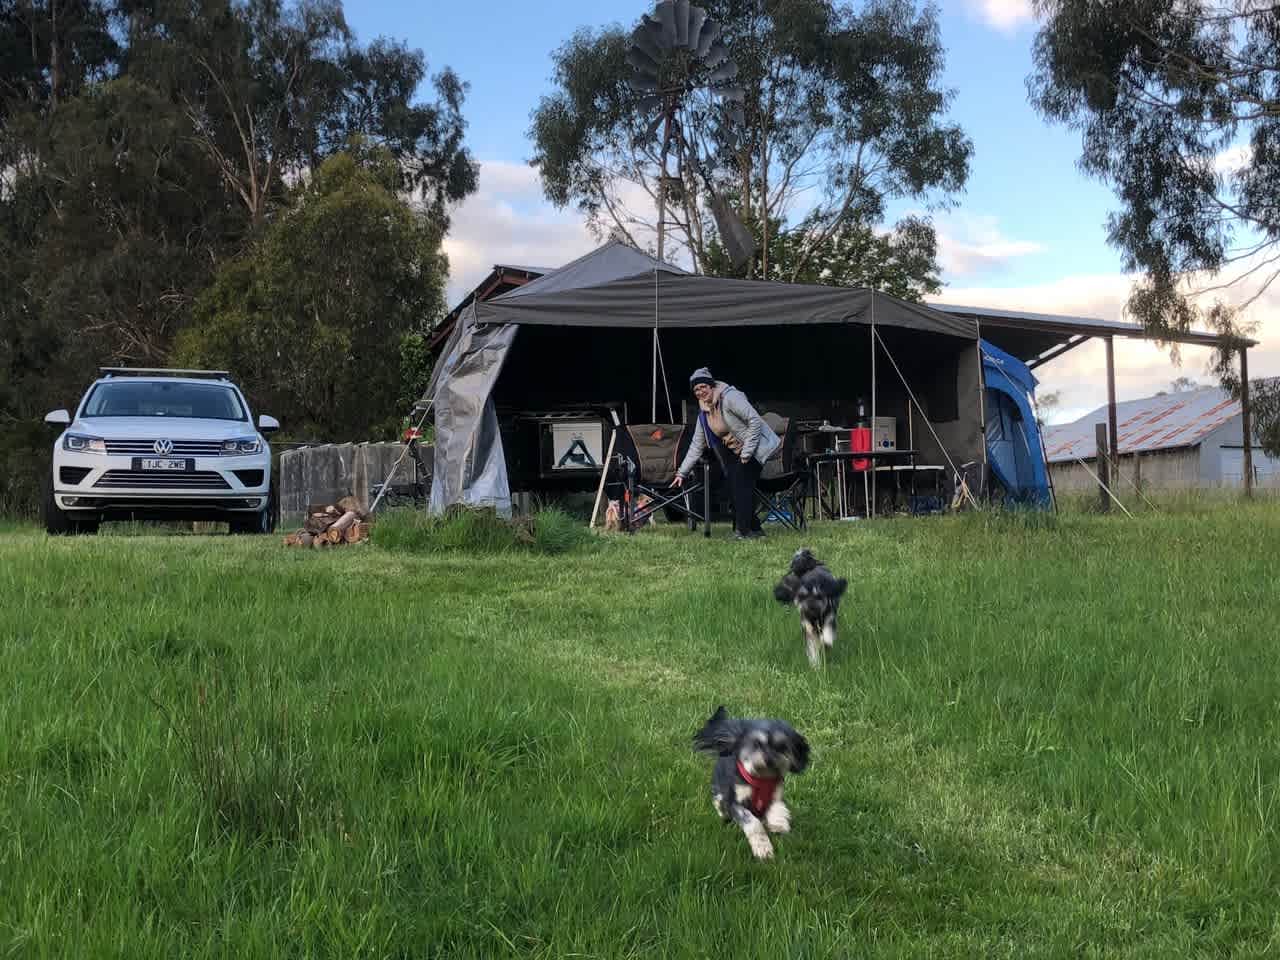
{"x": 317, "y": 524}
{"x": 351, "y": 505}
{"x": 334, "y": 536}
{"x": 305, "y": 539}
{"x": 319, "y": 540}
{"x": 356, "y": 532}
{"x": 344, "y": 522}
{"x": 291, "y": 540}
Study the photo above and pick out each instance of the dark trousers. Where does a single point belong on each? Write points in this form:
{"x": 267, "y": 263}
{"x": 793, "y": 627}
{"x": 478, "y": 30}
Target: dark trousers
{"x": 741, "y": 479}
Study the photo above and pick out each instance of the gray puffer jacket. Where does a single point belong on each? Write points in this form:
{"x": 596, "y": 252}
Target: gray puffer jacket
{"x": 744, "y": 423}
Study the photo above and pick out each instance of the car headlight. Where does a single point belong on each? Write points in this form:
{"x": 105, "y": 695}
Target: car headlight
{"x": 78, "y": 443}
{"x": 241, "y": 446}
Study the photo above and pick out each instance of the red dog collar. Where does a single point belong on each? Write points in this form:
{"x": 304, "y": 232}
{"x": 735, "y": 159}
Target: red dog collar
{"x": 762, "y": 790}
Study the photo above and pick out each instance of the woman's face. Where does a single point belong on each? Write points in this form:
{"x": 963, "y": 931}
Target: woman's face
{"x": 702, "y": 392}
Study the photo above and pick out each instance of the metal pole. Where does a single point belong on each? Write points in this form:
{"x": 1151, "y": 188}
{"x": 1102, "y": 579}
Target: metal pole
{"x": 706, "y": 499}
{"x": 982, "y": 414}
{"x": 871, "y": 507}
{"x": 1246, "y": 421}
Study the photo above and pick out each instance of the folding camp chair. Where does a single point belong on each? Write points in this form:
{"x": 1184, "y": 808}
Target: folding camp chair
{"x": 646, "y": 462}
{"x": 781, "y": 489}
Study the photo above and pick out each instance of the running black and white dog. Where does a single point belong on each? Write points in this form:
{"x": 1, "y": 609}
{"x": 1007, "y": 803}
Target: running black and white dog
{"x": 752, "y": 759}
{"x": 816, "y": 593}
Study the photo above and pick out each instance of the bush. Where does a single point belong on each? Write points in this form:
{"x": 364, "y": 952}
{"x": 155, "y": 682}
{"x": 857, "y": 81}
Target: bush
{"x": 474, "y": 530}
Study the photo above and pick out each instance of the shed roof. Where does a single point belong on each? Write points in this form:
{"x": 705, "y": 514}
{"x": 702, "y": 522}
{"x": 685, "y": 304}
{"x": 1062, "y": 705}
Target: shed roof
{"x": 1162, "y": 422}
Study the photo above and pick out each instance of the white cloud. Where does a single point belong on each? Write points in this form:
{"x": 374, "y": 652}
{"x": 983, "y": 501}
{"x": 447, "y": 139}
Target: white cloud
{"x": 1004, "y": 15}
{"x": 970, "y": 243}
{"x": 507, "y": 220}
{"x": 1233, "y": 158}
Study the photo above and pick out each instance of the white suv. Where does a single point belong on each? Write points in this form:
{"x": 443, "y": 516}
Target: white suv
{"x": 160, "y": 445}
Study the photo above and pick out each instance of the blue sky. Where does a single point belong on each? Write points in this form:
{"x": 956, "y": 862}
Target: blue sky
{"x": 1028, "y": 233}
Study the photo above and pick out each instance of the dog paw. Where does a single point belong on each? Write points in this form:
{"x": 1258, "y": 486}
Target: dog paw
{"x": 761, "y": 848}
{"x": 778, "y": 819}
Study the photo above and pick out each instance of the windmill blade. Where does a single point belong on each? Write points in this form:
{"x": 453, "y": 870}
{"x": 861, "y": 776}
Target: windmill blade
{"x": 709, "y": 34}
{"x": 726, "y": 71}
{"x": 645, "y": 39}
{"x": 682, "y": 22}
{"x": 697, "y": 17}
{"x": 737, "y": 239}
{"x": 641, "y": 62}
{"x": 666, "y": 12}
{"x": 717, "y": 55}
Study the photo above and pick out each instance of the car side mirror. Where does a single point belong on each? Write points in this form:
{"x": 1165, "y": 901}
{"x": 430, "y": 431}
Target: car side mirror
{"x": 58, "y": 418}
{"x": 268, "y": 424}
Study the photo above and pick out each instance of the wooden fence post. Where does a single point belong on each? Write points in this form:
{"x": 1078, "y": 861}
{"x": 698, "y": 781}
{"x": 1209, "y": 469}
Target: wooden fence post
{"x": 1103, "y": 460}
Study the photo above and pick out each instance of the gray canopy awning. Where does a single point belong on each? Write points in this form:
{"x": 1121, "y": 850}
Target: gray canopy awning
{"x": 617, "y": 286}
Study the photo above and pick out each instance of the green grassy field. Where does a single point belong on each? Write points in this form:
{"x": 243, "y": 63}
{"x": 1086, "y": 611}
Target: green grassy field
{"x": 1035, "y": 739}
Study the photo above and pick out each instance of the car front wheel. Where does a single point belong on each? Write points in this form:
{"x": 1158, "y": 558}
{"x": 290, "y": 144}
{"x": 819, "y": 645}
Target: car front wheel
{"x": 260, "y": 522}
{"x": 59, "y": 522}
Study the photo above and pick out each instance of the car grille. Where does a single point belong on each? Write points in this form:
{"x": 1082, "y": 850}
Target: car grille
{"x": 181, "y": 448}
{"x": 191, "y": 480}
{"x": 72, "y": 475}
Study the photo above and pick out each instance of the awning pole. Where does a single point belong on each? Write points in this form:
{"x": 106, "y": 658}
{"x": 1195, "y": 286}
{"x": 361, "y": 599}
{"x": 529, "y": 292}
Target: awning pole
{"x": 653, "y": 407}
{"x": 925, "y": 418}
{"x": 871, "y": 507}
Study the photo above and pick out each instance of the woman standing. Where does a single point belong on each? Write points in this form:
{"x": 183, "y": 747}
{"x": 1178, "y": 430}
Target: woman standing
{"x": 742, "y": 442}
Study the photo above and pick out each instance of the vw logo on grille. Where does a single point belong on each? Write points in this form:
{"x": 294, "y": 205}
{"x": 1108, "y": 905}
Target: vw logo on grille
{"x": 163, "y": 447}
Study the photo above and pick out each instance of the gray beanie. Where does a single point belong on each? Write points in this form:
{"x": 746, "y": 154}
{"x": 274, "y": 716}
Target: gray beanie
{"x": 702, "y": 375}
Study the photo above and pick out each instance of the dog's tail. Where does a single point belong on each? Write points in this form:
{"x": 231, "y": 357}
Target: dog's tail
{"x": 719, "y": 734}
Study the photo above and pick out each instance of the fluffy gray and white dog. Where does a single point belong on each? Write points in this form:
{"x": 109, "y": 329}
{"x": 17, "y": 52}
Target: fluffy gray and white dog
{"x": 752, "y": 759}
{"x": 816, "y": 593}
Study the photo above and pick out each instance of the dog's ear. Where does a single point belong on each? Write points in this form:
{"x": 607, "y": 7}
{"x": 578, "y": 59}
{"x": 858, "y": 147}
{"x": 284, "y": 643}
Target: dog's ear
{"x": 785, "y": 591}
{"x": 718, "y": 735}
{"x": 800, "y": 750}
{"x": 841, "y": 586}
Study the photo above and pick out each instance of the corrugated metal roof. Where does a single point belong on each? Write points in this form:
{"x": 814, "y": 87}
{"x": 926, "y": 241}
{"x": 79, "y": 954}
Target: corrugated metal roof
{"x": 1152, "y": 423}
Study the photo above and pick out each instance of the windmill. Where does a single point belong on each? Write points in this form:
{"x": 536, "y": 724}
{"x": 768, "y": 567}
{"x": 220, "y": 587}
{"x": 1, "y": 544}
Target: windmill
{"x": 675, "y": 51}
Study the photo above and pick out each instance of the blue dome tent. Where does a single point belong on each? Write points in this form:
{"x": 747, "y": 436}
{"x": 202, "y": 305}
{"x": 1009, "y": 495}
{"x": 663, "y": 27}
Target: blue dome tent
{"x": 1014, "y": 447}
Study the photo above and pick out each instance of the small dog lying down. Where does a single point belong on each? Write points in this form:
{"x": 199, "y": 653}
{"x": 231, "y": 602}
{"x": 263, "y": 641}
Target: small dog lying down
{"x": 752, "y": 758}
{"x": 816, "y": 594}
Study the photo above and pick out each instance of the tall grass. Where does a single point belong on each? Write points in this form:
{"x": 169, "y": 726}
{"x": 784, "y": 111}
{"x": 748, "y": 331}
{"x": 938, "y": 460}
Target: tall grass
{"x": 481, "y": 531}
{"x": 1035, "y": 738}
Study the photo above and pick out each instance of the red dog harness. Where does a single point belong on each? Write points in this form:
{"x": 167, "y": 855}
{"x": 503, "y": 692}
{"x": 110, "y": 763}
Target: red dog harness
{"x": 762, "y": 790}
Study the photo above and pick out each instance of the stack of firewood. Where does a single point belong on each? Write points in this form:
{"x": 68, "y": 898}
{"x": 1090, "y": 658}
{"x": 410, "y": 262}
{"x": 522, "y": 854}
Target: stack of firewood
{"x": 331, "y": 525}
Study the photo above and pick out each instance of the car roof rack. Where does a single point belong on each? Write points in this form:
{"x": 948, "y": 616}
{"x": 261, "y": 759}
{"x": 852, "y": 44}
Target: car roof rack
{"x": 162, "y": 372}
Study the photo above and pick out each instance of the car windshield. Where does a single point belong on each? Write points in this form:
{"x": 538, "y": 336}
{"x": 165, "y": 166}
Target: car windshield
{"x": 164, "y": 398}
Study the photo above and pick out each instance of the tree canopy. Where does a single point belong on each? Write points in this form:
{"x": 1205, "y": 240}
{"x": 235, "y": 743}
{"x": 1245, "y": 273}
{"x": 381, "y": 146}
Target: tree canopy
{"x": 150, "y": 149}
{"x": 844, "y": 114}
{"x": 313, "y": 314}
{"x": 1178, "y": 106}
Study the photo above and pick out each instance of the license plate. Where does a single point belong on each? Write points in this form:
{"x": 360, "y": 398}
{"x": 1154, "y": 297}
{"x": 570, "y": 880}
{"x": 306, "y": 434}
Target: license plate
{"x": 163, "y": 463}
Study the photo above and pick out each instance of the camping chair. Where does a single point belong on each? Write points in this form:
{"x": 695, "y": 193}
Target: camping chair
{"x": 646, "y": 461}
{"x": 780, "y": 491}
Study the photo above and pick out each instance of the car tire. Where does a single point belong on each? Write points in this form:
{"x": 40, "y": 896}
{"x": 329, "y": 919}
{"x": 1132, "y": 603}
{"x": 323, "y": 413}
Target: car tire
{"x": 61, "y": 523}
{"x": 261, "y": 522}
